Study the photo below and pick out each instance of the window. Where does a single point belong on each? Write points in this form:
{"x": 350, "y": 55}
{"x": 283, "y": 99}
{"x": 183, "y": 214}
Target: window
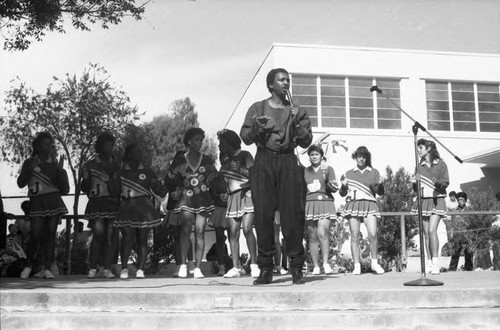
{"x": 335, "y": 101}
{"x": 463, "y": 106}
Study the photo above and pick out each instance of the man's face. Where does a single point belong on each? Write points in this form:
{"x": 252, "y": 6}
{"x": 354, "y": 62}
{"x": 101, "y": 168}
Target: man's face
{"x": 461, "y": 202}
{"x": 281, "y": 83}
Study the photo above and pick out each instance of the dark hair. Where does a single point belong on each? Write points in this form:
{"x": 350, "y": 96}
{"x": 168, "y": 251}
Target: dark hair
{"x": 463, "y": 195}
{"x": 363, "y": 151}
{"x": 317, "y": 148}
{"x": 190, "y": 133}
{"x": 271, "y": 75}
{"x": 128, "y": 151}
{"x": 452, "y": 193}
{"x": 497, "y": 195}
{"x": 433, "y": 153}
{"x": 38, "y": 140}
{"x": 101, "y": 139}
{"x": 25, "y": 206}
{"x": 230, "y": 137}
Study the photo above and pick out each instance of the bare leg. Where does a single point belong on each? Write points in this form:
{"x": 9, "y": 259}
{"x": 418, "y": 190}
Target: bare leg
{"x": 371, "y": 227}
{"x": 247, "y": 224}
{"x": 142, "y": 246}
{"x": 433, "y": 236}
{"x": 188, "y": 219}
{"x": 354, "y": 225}
{"x": 201, "y": 222}
{"x": 324, "y": 239}
{"x": 312, "y": 233}
{"x": 234, "y": 240}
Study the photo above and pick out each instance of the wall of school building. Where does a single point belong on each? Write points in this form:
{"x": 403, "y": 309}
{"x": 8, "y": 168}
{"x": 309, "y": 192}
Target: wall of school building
{"x": 390, "y": 147}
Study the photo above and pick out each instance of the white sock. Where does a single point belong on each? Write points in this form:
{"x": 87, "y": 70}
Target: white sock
{"x": 374, "y": 261}
{"x": 435, "y": 261}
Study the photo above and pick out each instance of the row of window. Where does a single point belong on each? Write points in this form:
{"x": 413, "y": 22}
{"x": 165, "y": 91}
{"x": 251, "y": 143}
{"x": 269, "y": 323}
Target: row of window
{"x": 346, "y": 102}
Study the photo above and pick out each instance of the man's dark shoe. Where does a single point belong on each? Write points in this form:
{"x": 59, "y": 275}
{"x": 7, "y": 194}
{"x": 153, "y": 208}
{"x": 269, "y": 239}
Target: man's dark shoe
{"x": 297, "y": 277}
{"x": 265, "y": 277}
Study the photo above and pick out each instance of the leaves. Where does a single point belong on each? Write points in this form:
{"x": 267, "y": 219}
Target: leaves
{"x": 28, "y": 20}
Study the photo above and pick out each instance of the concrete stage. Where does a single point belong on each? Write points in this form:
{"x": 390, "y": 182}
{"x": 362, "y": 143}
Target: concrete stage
{"x": 467, "y": 300}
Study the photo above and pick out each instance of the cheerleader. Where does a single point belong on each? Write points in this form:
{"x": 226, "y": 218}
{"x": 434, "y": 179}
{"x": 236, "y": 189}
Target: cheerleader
{"x": 320, "y": 209}
{"x": 193, "y": 173}
{"x": 239, "y": 205}
{"x": 102, "y": 207}
{"x": 218, "y": 218}
{"x": 434, "y": 180}
{"x": 137, "y": 213}
{"x": 46, "y": 181}
{"x": 362, "y": 184}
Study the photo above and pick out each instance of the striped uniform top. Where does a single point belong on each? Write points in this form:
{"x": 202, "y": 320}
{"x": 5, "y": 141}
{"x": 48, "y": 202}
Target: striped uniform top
{"x": 235, "y": 171}
{"x": 318, "y": 183}
{"x": 99, "y": 174}
{"x": 434, "y": 179}
{"x": 141, "y": 182}
{"x": 47, "y": 178}
{"x": 361, "y": 184}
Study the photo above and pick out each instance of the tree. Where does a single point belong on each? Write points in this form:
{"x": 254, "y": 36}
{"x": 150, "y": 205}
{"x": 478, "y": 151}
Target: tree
{"x": 23, "y": 21}
{"x": 397, "y": 198}
{"x": 74, "y": 110}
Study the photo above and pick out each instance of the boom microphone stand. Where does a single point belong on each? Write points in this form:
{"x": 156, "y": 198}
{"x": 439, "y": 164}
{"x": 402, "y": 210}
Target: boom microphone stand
{"x": 422, "y": 281}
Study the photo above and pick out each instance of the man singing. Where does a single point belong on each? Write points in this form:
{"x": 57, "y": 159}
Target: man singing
{"x": 276, "y": 179}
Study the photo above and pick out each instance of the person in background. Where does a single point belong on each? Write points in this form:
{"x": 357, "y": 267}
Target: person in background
{"x": 362, "y": 184}
{"x": 137, "y": 213}
{"x": 434, "y": 181}
{"x": 102, "y": 206}
{"x": 458, "y": 239}
{"x": 47, "y": 181}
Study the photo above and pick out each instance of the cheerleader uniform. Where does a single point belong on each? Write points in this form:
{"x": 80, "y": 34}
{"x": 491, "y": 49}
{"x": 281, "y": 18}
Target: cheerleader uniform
{"x": 137, "y": 186}
{"x": 319, "y": 199}
{"x": 433, "y": 191}
{"x": 194, "y": 182}
{"x": 101, "y": 204}
{"x": 361, "y": 189}
{"x": 46, "y": 184}
{"x": 218, "y": 192}
{"x": 236, "y": 175}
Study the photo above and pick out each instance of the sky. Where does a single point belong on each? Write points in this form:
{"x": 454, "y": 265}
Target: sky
{"x": 209, "y": 50}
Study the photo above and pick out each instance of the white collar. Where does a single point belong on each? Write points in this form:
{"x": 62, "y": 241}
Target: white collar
{"x": 368, "y": 168}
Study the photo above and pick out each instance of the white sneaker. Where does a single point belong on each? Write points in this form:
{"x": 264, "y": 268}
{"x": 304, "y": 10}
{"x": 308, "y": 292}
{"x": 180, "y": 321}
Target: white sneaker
{"x": 190, "y": 267}
{"x": 435, "y": 270}
{"x": 124, "y": 274}
{"x": 92, "y": 273}
{"x": 377, "y": 268}
{"x": 232, "y": 273}
{"x": 40, "y": 274}
{"x": 316, "y": 271}
{"x": 183, "y": 271}
{"x": 48, "y": 275}
{"x": 197, "y": 273}
{"x": 283, "y": 271}
{"x": 54, "y": 269}
{"x": 140, "y": 274}
{"x": 108, "y": 274}
{"x": 328, "y": 269}
{"x": 254, "y": 270}
{"x": 357, "y": 269}
{"x": 26, "y": 272}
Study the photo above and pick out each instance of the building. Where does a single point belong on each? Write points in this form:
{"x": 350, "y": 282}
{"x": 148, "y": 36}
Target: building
{"x": 455, "y": 95}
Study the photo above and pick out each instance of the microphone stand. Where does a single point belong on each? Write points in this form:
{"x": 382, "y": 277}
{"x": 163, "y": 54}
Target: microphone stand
{"x": 422, "y": 281}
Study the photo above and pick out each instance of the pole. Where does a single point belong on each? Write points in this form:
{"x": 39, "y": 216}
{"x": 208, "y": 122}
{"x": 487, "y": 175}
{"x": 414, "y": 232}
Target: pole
{"x": 404, "y": 256}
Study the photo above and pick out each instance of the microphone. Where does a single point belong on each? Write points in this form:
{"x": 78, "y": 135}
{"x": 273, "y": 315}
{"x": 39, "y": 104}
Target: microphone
{"x": 289, "y": 96}
{"x": 375, "y": 89}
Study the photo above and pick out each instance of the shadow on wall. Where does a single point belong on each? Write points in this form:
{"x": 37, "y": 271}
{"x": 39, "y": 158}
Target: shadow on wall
{"x": 491, "y": 179}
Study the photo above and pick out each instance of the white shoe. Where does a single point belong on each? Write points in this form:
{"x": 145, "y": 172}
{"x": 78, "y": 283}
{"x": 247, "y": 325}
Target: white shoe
{"x": 190, "y": 267}
{"x": 435, "y": 270}
{"x": 176, "y": 272}
{"x": 357, "y": 269}
{"x": 182, "y": 271}
{"x": 197, "y": 273}
{"x": 377, "y": 268}
{"x": 124, "y": 274}
{"x": 92, "y": 273}
{"x": 26, "y": 272}
{"x": 232, "y": 273}
{"x": 108, "y": 274}
{"x": 254, "y": 270}
{"x": 328, "y": 269}
{"x": 316, "y": 271}
{"x": 283, "y": 271}
{"x": 48, "y": 275}
{"x": 40, "y": 274}
{"x": 140, "y": 274}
